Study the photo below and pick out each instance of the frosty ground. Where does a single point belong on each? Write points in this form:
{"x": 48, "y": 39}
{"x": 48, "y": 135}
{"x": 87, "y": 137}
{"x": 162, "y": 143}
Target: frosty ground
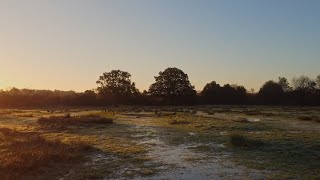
{"x": 202, "y": 142}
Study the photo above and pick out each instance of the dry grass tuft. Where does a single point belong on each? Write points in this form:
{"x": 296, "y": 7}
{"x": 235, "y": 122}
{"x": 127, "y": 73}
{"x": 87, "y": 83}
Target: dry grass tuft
{"x": 181, "y": 122}
{"x": 26, "y": 154}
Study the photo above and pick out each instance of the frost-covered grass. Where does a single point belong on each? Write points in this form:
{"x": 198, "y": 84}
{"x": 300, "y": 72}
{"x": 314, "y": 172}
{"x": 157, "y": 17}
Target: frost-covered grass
{"x": 273, "y": 142}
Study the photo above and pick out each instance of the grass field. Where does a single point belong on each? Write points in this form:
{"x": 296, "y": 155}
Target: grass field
{"x": 161, "y": 143}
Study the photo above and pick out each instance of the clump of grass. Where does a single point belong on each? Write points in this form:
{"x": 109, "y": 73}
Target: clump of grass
{"x": 26, "y": 154}
{"x": 237, "y": 140}
{"x": 252, "y": 112}
{"x": 181, "y": 122}
{"x": 68, "y": 120}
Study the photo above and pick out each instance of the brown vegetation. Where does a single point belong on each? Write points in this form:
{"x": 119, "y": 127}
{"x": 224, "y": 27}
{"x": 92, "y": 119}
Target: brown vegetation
{"x": 25, "y": 154}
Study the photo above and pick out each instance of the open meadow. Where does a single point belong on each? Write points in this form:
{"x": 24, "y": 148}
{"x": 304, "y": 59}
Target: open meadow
{"x": 200, "y": 142}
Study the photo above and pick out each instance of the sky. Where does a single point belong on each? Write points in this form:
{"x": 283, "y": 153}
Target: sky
{"x": 67, "y": 45}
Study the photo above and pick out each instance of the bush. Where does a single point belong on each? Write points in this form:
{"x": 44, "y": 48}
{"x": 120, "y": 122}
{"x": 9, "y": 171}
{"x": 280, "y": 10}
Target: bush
{"x": 243, "y": 142}
{"x": 75, "y": 120}
{"x": 309, "y": 118}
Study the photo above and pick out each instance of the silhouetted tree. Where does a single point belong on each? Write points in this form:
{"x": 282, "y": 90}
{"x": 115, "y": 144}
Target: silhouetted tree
{"x": 232, "y": 94}
{"x": 42, "y": 98}
{"x": 283, "y": 82}
{"x": 211, "y": 89}
{"x": 318, "y": 81}
{"x": 241, "y": 93}
{"x": 87, "y": 98}
{"x": 116, "y": 86}
{"x": 271, "y": 93}
{"x": 213, "y": 93}
{"x": 304, "y": 90}
{"x": 304, "y": 84}
{"x": 172, "y": 84}
{"x": 116, "y": 83}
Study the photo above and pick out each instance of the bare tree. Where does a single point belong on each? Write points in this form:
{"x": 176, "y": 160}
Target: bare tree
{"x": 303, "y": 83}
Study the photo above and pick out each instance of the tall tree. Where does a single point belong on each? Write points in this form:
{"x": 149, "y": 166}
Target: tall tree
{"x": 211, "y": 89}
{"x": 271, "y": 92}
{"x": 318, "y": 81}
{"x": 172, "y": 82}
{"x": 283, "y": 82}
{"x": 304, "y": 84}
{"x": 213, "y": 93}
{"x": 116, "y": 83}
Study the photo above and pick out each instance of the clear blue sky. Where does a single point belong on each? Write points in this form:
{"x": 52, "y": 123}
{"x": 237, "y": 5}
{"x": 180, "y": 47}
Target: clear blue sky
{"x": 66, "y": 45}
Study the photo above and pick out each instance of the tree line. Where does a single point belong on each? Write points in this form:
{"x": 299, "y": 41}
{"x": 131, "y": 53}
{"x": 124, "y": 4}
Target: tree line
{"x": 171, "y": 87}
